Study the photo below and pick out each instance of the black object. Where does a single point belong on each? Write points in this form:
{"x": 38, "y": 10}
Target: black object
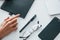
{"x": 10, "y": 13}
{"x": 28, "y": 23}
{"x": 25, "y": 38}
{"x": 51, "y": 31}
{"x": 17, "y": 6}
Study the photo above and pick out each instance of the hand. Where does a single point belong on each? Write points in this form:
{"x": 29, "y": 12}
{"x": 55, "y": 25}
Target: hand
{"x": 8, "y": 25}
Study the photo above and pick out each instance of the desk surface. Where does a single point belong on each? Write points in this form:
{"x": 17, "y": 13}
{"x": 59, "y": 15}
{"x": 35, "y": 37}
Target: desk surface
{"x": 40, "y": 9}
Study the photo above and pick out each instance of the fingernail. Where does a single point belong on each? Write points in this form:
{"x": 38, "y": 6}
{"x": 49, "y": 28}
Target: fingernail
{"x": 18, "y": 14}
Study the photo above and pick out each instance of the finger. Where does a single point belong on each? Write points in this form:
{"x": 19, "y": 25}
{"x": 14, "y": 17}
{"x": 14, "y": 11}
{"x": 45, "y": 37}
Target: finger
{"x": 12, "y": 29}
{"x": 16, "y": 16}
{"x": 4, "y": 22}
{"x": 6, "y": 18}
{"x": 15, "y": 28}
{"x": 11, "y": 19}
{"x": 11, "y": 22}
{"x": 13, "y": 25}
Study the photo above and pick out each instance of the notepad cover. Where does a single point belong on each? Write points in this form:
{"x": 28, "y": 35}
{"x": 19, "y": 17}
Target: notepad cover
{"x": 51, "y": 30}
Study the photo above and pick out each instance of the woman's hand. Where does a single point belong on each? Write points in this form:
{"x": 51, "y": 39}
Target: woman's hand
{"x": 8, "y": 25}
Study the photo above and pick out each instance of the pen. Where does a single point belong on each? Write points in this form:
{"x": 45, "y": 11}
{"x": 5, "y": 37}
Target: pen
{"x": 28, "y": 23}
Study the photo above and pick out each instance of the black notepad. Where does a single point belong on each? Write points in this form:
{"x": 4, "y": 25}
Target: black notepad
{"x": 51, "y": 30}
{"x": 17, "y": 6}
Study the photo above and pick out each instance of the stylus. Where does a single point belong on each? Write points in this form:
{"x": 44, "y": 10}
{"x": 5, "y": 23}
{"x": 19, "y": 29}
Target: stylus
{"x": 28, "y": 23}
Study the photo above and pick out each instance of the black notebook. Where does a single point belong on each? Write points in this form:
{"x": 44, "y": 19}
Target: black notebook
{"x": 51, "y": 30}
{"x": 17, "y": 6}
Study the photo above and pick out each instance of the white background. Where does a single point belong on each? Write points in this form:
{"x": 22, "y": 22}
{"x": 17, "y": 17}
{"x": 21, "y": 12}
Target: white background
{"x": 39, "y": 8}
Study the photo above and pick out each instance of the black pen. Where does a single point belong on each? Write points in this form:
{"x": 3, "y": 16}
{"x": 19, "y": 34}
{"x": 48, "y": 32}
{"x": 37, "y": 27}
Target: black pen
{"x": 28, "y": 23}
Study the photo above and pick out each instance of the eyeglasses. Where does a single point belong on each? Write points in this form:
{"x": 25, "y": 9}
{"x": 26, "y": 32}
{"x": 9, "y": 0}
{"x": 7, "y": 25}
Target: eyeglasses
{"x": 27, "y": 34}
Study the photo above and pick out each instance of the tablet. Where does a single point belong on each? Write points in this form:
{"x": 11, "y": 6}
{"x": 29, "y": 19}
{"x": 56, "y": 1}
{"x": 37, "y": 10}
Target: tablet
{"x": 17, "y": 6}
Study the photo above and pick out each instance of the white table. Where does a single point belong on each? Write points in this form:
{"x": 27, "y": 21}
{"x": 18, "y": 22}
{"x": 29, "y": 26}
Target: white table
{"x": 40, "y": 9}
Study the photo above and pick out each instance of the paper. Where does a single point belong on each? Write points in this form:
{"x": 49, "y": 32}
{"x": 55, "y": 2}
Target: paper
{"x": 53, "y": 6}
